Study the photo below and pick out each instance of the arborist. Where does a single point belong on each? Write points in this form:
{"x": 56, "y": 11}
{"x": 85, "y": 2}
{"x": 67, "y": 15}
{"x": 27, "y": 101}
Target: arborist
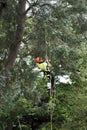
{"x": 44, "y": 65}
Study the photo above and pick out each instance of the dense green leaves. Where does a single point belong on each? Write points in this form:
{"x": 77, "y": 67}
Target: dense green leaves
{"x": 57, "y": 30}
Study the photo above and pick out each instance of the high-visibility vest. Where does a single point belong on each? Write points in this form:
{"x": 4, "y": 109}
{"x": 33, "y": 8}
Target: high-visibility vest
{"x": 42, "y": 66}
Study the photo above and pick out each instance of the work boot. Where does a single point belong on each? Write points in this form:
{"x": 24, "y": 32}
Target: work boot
{"x": 54, "y": 90}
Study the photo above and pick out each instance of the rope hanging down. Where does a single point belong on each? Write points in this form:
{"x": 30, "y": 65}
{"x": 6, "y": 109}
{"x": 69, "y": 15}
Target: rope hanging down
{"x": 47, "y": 43}
{"x": 44, "y": 66}
{"x": 51, "y": 108}
{"x": 52, "y": 88}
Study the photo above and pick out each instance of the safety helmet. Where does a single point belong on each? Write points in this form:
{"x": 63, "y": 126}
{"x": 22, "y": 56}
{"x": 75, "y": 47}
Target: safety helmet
{"x": 38, "y": 60}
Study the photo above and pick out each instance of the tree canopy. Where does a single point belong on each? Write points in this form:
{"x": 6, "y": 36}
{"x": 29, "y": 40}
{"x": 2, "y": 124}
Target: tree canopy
{"x": 56, "y": 29}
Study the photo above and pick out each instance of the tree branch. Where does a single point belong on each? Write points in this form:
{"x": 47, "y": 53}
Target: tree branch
{"x": 31, "y": 6}
{"x": 36, "y": 4}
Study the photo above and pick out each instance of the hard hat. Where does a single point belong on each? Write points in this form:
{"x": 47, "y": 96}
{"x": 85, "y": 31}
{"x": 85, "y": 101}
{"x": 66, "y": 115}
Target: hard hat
{"x": 38, "y": 60}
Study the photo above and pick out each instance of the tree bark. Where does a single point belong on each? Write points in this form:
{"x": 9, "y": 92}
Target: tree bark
{"x": 9, "y": 125}
{"x": 3, "y": 6}
{"x": 13, "y": 50}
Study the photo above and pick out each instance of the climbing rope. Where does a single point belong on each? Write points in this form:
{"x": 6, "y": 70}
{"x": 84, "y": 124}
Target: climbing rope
{"x": 51, "y": 105}
{"x": 52, "y": 93}
{"x": 52, "y": 88}
{"x": 51, "y": 112}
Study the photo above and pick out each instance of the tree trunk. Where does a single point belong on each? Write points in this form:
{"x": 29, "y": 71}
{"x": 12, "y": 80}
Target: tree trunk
{"x": 13, "y": 50}
{"x": 9, "y": 125}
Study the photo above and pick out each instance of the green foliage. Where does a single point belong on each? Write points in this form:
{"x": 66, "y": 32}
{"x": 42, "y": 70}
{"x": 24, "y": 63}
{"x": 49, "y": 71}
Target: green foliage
{"x": 25, "y": 100}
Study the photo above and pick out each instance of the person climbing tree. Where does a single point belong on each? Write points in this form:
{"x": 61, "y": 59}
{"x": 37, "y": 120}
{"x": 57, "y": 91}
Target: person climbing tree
{"x": 44, "y": 65}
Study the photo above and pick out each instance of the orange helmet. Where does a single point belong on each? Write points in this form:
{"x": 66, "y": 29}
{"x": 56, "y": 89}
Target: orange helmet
{"x": 38, "y": 60}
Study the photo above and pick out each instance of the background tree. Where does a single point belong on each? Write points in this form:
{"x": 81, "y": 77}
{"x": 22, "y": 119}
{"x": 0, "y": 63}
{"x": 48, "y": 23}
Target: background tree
{"x": 45, "y": 28}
